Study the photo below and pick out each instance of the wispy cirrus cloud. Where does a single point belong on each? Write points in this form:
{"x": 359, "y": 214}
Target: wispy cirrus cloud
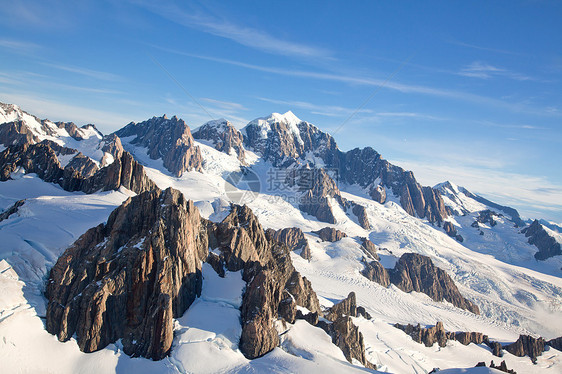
{"x": 482, "y": 48}
{"x": 325, "y": 110}
{"x": 374, "y": 82}
{"x": 18, "y": 46}
{"x": 96, "y": 74}
{"x": 224, "y": 104}
{"x": 479, "y": 69}
{"x": 198, "y": 19}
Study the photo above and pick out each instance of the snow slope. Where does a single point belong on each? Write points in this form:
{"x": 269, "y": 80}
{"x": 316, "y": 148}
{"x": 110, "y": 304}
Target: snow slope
{"x": 513, "y": 296}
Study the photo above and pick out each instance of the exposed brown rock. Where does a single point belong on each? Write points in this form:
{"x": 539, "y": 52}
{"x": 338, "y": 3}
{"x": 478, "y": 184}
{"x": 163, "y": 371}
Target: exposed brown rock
{"x": 225, "y": 137}
{"x": 80, "y": 174}
{"x": 427, "y": 336}
{"x": 346, "y": 307}
{"x": 329, "y": 234}
{"x": 451, "y": 230}
{"x": 527, "y": 345}
{"x": 375, "y": 272}
{"x": 11, "y": 210}
{"x": 414, "y": 272}
{"x": 555, "y": 343}
{"x": 361, "y": 214}
{"x": 502, "y": 367}
{"x": 437, "y": 333}
{"x": 16, "y": 133}
{"x": 168, "y": 139}
{"x": 538, "y": 236}
{"x": 369, "y": 248}
{"x": 294, "y": 238}
{"x": 318, "y": 187}
{"x": 127, "y": 279}
{"x": 378, "y": 193}
{"x": 350, "y": 340}
{"x": 496, "y": 347}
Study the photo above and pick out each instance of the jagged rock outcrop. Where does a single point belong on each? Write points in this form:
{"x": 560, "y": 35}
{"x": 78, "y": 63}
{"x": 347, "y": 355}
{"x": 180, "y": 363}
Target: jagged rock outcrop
{"x": 451, "y": 230}
{"x": 496, "y": 347}
{"x": 317, "y": 188}
{"x": 502, "y": 367}
{"x": 527, "y": 345}
{"x": 294, "y": 238}
{"x": 17, "y": 133}
{"x": 437, "y": 334}
{"x": 127, "y": 279}
{"x": 168, "y": 139}
{"x": 414, "y": 272}
{"x": 368, "y": 169}
{"x": 555, "y": 343}
{"x": 11, "y": 210}
{"x": 486, "y": 217}
{"x": 274, "y": 288}
{"x": 330, "y": 234}
{"x": 375, "y": 272}
{"x": 223, "y": 136}
{"x": 346, "y": 307}
{"x": 427, "y": 336}
{"x": 540, "y": 238}
{"x": 344, "y": 333}
{"x": 80, "y": 174}
{"x": 378, "y": 193}
{"x": 369, "y": 248}
{"x": 361, "y": 214}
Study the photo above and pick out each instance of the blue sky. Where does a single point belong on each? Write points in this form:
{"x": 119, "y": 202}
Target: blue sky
{"x": 465, "y": 91}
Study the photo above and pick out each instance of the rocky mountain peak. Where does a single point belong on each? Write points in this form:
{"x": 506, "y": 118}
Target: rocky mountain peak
{"x": 168, "y": 139}
{"x": 222, "y": 135}
{"x": 544, "y": 240}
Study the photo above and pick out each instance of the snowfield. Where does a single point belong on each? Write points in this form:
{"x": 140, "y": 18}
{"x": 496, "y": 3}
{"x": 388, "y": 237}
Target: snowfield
{"x": 515, "y": 295}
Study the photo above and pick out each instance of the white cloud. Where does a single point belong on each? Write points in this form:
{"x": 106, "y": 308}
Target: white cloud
{"x": 479, "y": 69}
{"x": 96, "y": 74}
{"x": 380, "y": 83}
{"x": 188, "y": 16}
{"x": 325, "y": 110}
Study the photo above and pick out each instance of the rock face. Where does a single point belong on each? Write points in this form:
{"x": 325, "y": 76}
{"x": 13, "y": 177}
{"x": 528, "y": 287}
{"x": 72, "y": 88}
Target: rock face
{"x": 223, "y": 136}
{"x": 80, "y": 174}
{"x": 414, "y": 272}
{"x": 344, "y": 333}
{"x": 368, "y": 169}
{"x": 127, "y": 279}
{"x": 452, "y": 231}
{"x": 375, "y": 272}
{"x": 11, "y": 210}
{"x": 527, "y": 346}
{"x": 369, "y": 248}
{"x": 555, "y": 343}
{"x": 168, "y": 139}
{"x": 272, "y": 281}
{"x": 293, "y": 238}
{"x": 437, "y": 334}
{"x": 285, "y": 140}
{"x": 329, "y": 234}
{"x": 361, "y": 214}
{"x": 539, "y": 237}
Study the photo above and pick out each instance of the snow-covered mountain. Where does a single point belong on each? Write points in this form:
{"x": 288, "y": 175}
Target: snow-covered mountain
{"x": 178, "y": 274}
